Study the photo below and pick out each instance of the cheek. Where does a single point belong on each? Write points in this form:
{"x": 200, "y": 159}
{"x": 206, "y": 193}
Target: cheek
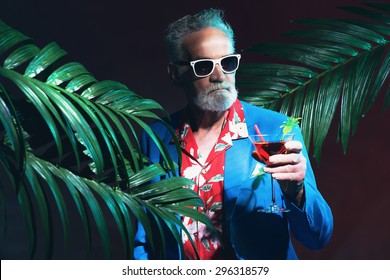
{"x": 201, "y": 84}
{"x": 231, "y": 79}
{"x": 196, "y": 85}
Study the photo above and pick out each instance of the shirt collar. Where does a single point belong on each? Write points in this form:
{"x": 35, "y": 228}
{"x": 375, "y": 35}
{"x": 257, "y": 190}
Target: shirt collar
{"x": 234, "y": 127}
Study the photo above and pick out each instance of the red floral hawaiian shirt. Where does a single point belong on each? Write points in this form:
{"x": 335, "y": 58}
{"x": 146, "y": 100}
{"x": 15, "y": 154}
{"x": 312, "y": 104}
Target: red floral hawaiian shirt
{"x": 208, "y": 176}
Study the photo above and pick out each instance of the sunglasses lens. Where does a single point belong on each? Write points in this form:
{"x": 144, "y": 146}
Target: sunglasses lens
{"x": 229, "y": 64}
{"x": 203, "y": 68}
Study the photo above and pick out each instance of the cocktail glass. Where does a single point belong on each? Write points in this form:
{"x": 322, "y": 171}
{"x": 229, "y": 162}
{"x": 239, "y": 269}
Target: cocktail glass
{"x": 267, "y": 145}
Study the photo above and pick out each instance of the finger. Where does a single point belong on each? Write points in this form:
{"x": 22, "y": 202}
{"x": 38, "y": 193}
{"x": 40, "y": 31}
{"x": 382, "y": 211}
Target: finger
{"x": 289, "y": 168}
{"x": 292, "y": 176}
{"x": 283, "y": 159}
{"x": 283, "y": 172}
{"x": 293, "y": 146}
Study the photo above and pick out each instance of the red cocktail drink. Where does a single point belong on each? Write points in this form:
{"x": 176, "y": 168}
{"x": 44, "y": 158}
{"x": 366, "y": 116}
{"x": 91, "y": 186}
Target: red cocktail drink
{"x": 266, "y": 149}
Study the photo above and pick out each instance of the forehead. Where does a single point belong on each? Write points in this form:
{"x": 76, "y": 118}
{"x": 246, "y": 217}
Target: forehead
{"x": 209, "y": 42}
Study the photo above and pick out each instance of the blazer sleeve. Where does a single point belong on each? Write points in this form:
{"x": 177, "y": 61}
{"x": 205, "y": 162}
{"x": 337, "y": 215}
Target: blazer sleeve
{"x": 313, "y": 224}
{"x": 142, "y": 249}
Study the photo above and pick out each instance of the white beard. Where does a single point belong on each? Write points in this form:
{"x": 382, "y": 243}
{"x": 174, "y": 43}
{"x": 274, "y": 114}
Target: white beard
{"x": 216, "y": 101}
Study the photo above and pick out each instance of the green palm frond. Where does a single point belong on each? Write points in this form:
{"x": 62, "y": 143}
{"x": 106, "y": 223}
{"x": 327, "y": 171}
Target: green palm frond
{"x": 66, "y": 135}
{"x": 332, "y": 67}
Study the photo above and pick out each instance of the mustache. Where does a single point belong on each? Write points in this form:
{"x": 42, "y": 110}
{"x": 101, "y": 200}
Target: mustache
{"x": 213, "y": 87}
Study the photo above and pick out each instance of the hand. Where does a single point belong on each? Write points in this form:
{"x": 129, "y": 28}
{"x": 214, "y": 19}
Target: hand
{"x": 289, "y": 169}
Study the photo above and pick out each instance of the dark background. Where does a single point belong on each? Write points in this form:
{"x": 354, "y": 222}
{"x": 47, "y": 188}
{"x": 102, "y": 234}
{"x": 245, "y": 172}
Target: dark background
{"x": 122, "y": 41}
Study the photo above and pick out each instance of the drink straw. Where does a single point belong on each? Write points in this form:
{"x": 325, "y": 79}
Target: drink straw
{"x": 259, "y": 133}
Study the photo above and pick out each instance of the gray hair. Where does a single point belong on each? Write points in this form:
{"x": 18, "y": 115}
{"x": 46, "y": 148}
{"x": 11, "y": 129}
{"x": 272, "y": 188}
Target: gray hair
{"x": 178, "y": 30}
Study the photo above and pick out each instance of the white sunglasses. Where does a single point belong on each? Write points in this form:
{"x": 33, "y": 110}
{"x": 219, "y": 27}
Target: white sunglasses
{"x": 204, "y": 67}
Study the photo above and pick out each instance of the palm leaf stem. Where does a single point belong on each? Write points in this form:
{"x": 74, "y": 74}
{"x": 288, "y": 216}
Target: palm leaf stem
{"x": 325, "y": 72}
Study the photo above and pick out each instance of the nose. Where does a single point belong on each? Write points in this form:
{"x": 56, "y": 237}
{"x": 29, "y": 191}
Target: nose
{"x": 217, "y": 75}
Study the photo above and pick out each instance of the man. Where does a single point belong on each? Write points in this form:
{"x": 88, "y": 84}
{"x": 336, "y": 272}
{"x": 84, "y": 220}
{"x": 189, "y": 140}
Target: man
{"x": 216, "y": 154}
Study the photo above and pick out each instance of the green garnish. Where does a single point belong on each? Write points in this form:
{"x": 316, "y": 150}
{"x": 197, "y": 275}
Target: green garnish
{"x": 288, "y": 125}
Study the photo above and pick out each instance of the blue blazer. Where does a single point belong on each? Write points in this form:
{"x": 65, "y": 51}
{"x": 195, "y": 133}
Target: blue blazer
{"x": 252, "y": 234}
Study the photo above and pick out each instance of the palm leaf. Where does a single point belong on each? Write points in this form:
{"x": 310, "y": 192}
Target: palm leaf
{"x": 332, "y": 67}
{"x": 66, "y": 135}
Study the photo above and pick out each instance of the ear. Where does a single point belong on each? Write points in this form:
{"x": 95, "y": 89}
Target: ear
{"x": 173, "y": 73}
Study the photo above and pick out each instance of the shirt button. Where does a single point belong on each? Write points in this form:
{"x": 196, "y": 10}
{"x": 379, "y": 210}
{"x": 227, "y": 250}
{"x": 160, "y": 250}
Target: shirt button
{"x": 204, "y": 171}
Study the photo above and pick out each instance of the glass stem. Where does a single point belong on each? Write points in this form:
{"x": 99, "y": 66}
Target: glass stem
{"x": 273, "y": 190}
